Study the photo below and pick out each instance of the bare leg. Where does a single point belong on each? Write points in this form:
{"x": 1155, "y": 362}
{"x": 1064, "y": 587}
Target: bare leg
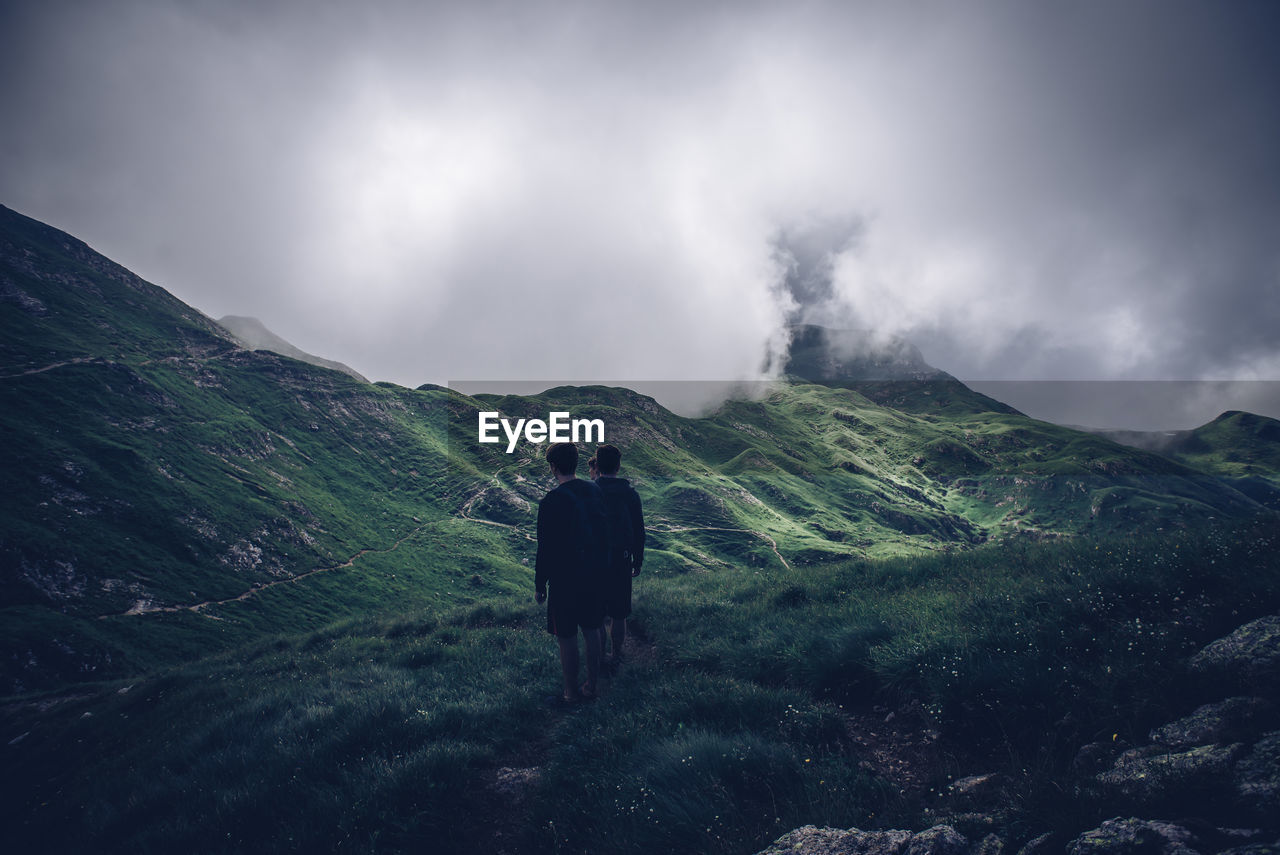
{"x": 569, "y": 665}
{"x": 593, "y": 639}
{"x": 604, "y": 639}
{"x": 618, "y": 631}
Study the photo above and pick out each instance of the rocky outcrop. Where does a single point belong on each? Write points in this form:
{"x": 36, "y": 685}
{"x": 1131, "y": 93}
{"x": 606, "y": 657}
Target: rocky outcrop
{"x": 1221, "y": 756}
{"x": 1124, "y": 836}
{"x": 1232, "y": 720}
{"x": 1258, "y": 776}
{"x": 1119, "y": 836}
{"x": 1251, "y": 654}
{"x": 1221, "y": 759}
{"x": 1161, "y": 837}
{"x": 1150, "y": 774}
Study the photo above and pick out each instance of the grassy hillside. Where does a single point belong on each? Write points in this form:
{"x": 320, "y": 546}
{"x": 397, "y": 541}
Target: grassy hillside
{"x": 171, "y": 494}
{"x": 1241, "y": 448}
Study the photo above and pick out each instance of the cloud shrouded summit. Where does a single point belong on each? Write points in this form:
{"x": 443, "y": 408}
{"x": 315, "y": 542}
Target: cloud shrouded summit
{"x": 430, "y": 192}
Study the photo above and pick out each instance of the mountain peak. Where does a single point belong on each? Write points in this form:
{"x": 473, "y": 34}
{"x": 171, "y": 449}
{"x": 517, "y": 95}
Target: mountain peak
{"x": 254, "y": 335}
{"x": 824, "y": 355}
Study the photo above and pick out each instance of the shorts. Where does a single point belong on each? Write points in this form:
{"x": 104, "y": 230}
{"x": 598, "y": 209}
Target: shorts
{"x": 568, "y": 610}
{"x": 617, "y": 592}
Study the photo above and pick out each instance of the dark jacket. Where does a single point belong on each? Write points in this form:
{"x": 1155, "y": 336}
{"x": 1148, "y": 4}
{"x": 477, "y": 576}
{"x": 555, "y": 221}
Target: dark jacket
{"x": 572, "y": 536}
{"x": 623, "y": 503}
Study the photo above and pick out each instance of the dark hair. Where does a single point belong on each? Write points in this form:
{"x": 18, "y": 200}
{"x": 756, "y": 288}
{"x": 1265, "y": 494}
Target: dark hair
{"x": 564, "y": 457}
{"x": 608, "y": 459}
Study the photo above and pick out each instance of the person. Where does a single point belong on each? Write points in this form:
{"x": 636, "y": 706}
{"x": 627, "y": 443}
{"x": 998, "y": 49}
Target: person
{"x": 568, "y": 572}
{"x": 626, "y": 547}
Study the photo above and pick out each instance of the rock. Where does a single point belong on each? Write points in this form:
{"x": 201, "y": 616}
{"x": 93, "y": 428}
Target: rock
{"x": 967, "y": 803}
{"x": 1096, "y": 757}
{"x": 1258, "y": 776}
{"x": 812, "y": 840}
{"x": 1254, "y": 849}
{"x": 989, "y": 845}
{"x": 1135, "y": 837}
{"x": 1232, "y": 720}
{"x": 1148, "y": 774}
{"x": 1250, "y": 653}
{"x": 939, "y": 840}
{"x": 975, "y": 785}
{"x": 1037, "y": 845}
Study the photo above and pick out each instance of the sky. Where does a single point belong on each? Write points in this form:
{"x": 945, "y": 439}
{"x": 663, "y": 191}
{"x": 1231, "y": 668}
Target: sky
{"x": 439, "y": 192}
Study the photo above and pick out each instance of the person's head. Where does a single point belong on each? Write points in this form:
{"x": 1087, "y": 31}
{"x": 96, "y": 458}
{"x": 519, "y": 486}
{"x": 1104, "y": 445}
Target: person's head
{"x": 608, "y": 458}
{"x": 593, "y": 469}
{"x": 563, "y": 457}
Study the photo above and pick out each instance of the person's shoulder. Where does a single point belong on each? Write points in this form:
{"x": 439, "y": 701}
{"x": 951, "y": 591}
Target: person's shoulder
{"x": 623, "y": 485}
{"x": 588, "y": 487}
{"x": 556, "y": 495}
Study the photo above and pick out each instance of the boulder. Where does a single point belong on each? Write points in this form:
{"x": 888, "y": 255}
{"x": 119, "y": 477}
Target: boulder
{"x": 939, "y": 840}
{"x": 1146, "y": 775}
{"x": 1135, "y": 837}
{"x": 1097, "y": 757}
{"x": 1258, "y": 776}
{"x": 1254, "y": 849}
{"x": 1251, "y": 653}
{"x": 989, "y": 845}
{"x": 1039, "y": 845}
{"x": 1233, "y": 720}
{"x": 812, "y": 840}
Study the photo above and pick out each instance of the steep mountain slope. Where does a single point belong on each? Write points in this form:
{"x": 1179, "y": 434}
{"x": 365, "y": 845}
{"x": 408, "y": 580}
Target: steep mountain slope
{"x": 169, "y": 493}
{"x": 156, "y": 472}
{"x": 64, "y": 302}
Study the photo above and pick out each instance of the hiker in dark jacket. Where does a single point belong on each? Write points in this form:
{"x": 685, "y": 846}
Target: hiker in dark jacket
{"x": 569, "y": 569}
{"x": 626, "y": 546}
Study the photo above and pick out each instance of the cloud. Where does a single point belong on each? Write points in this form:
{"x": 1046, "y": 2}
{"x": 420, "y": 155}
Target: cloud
{"x": 433, "y": 192}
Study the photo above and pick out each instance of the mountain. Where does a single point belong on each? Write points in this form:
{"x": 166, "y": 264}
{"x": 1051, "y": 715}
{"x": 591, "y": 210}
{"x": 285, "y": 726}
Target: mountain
{"x": 252, "y": 334}
{"x": 887, "y": 370}
{"x": 1241, "y": 448}
{"x": 170, "y": 493}
{"x": 824, "y": 355}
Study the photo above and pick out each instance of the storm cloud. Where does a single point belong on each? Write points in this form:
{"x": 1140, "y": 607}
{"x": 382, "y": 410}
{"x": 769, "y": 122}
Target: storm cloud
{"x": 627, "y": 191}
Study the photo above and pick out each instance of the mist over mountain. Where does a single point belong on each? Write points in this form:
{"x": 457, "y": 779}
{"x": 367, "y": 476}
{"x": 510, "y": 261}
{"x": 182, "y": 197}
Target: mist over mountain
{"x": 254, "y": 335}
{"x": 823, "y": 355}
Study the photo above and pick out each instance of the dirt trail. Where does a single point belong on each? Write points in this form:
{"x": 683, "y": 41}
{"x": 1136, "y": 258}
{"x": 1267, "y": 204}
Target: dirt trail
{"x": 465, "y": 513}
{"x": 507, "y": 791}
{"x": 667, "y": 528}
{"x": 79, "y": 360}
{"x": 143, "y": 607}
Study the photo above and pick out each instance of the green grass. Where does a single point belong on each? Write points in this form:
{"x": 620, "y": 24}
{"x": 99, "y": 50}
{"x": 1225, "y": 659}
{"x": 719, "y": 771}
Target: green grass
{"x": 387, "y": 734}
